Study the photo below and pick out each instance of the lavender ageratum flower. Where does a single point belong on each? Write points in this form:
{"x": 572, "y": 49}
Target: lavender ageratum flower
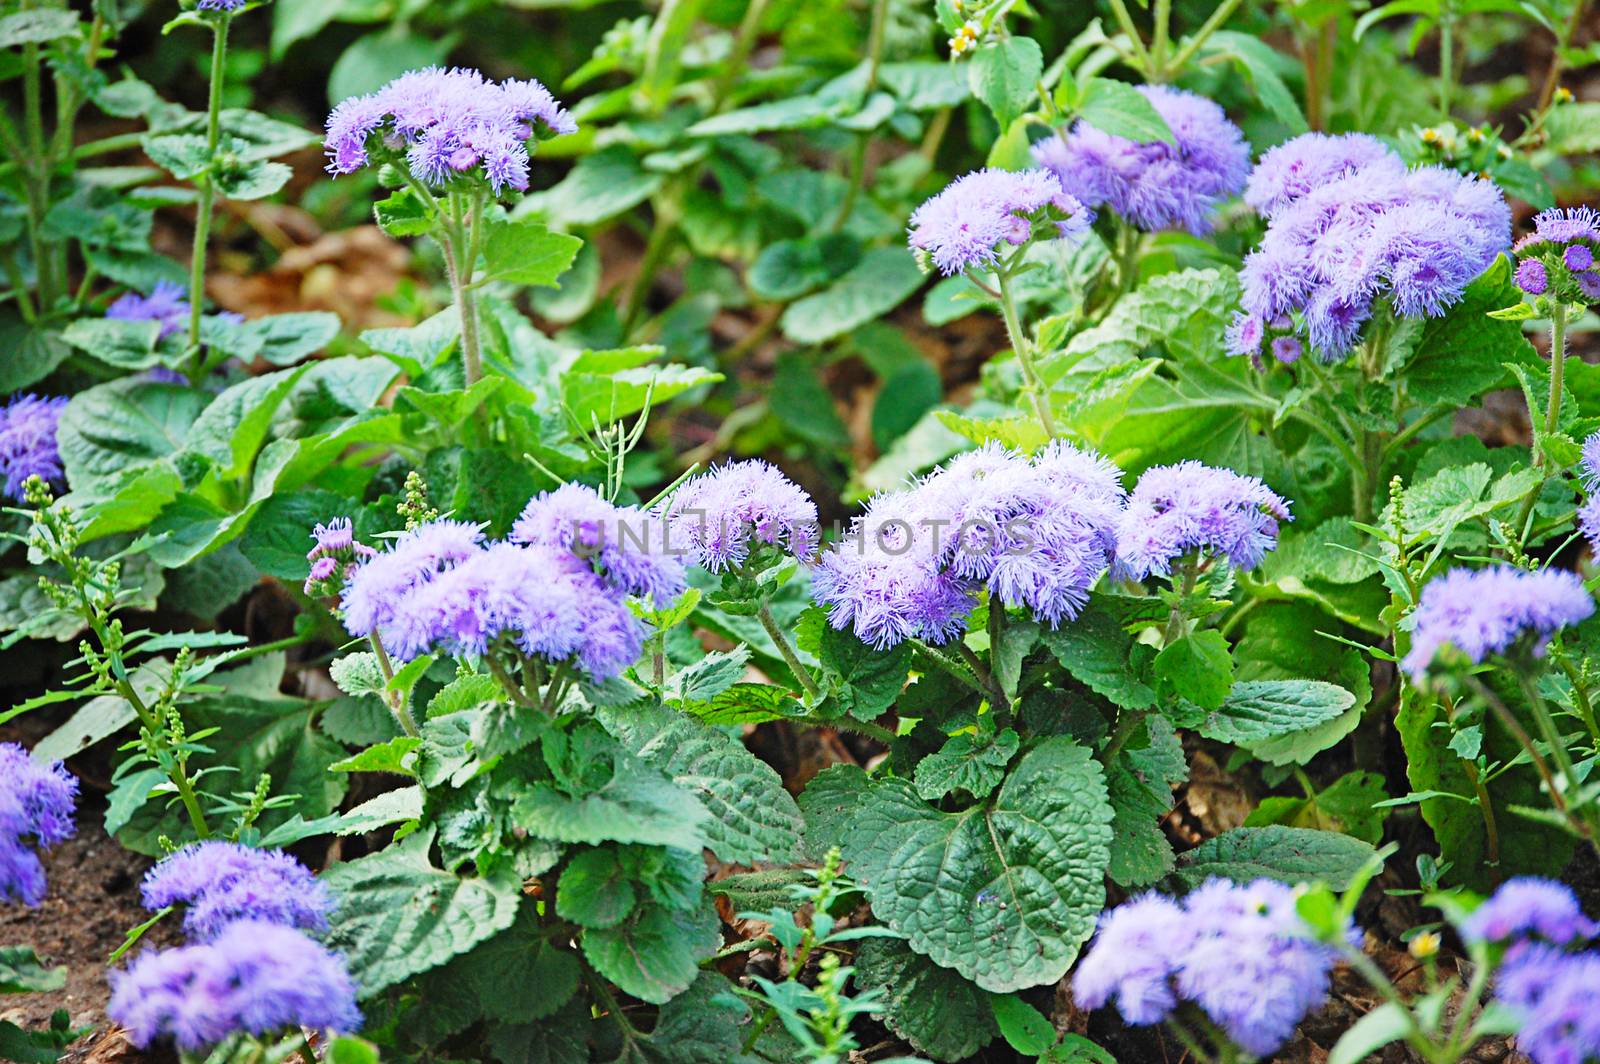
{"x": 1036, "y": 532}
{"x": 1350, "y": 229}
{"x": 1244, "y": 335}
{"x": 28, "y": 442}
{"x": 1486, "y": 611}
{"x": 1287, "y": 349}
{"x": 220, "y": 5}
{"x": 962, "y": 227}
{"x": 167, "y": 303}
{"x": 1589, "y": 463}
{"x": 1155, "y": 185}
{"x": 1529, "y": 907}
{"x": 1532, "y": 277}
{"x": 375, "y": 597}
{"x": 449, "y": 123}
{"x": 1252, "y": 964}
{"x": 36, "y": 811}
{"x": 715, "y": 517}
{"x": 1179, "y": 509}
{"x": 253, "y": 978}
{"x": 1296, "y": 167}
{"x": 1578, "y": 257}
{"x": 1556, "y": 997}
{"x": 1562, "y": 225}
{"x": 1133, "y": 958}
{"x": 220, "y": 882}
{"x": 1589, "y": 285}
{"x": 628, "y": 547}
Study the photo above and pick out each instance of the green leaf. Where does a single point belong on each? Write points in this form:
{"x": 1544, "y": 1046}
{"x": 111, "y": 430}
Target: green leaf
{"x": 1291, "y": 855}
{"x": 525, "y": 252}
{"x": 1117, "y": 108}
{"x": 1261, "y": 63}
{"x": 1573, "y": 128}
{"x": 37, "y": 27}
{"x": 638, "y": 804}
{"x": 21, "y": 972}
{"x": 1198, "y": 667}
{"x": 252, "y": 180}
{"x": 518, "y": 976}
{"x": 788, "y": 269}
{"x": 654, "y": 954}
{"x": 1004, "y": 892}
{"x": 881, "y": 281}
{"x": 399, "y": 916}
{"x": 601, "y": 186}
{"x": 1267, "y": 709}
{"x": 753, "y": 818}
{"x": 1076, "y": 1049}
{"x": 936, "y": 1010}
{"x": 1095, "y": 650}
{"x": 1027, "y": 1029}
{"x": 404, "y": 214}
{"x": 971, "y": 763}
{"x": 32, "y": 352}
{"x": 233, "y": 428}
{"x": 1387, "y": 1023}
{"x": 124, "y": 424}
{"x": 594, "y": 890}
{"x": 865, "y": 682}
{"x": 1350, "y": 804}
{"x": 794, "y": 112}
{"x": 124, "y": 344}
{"x": 1004, "y": 74}
{"x": 393, "y": 756}
{"x": 1464, "y": 354}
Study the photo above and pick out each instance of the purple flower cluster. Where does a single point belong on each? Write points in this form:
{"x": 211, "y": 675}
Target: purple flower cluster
{"x": 1349, "y": 229}
{"x": 715, "y": 518}
{"x": 221, "y": 882}
{"x": 254, "y": 978}
{"x": 1545, "y": 979}
{"x": 1155, "y": 185}
{"x": 334, "y": 554}
{"x": 448, "y": 123}
{"x": 1589, "y": 474}
{"x": 1036, "y": 532}
{"x": 1486, "y": 611}
{"x": 36, "y": 810}
{"x": 167, "y": 304}
{"x": 962, "y": 227}
{"x": 1179, "y": 509}
{"x": 1239, "y": 952}
{"x": 558, "y": 587}
{"x": 1560, "y": 253}
{"x": 220, "y": 5}
{"x": 28, "y": 442}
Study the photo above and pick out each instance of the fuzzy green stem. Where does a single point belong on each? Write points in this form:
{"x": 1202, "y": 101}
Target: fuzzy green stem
{"x": 208, "y": 192}
{"x": 1447, "y": 59}
{"x": 1024, "y": 350}
{"x": 395, "y": 700}
{"x": 1552, "y": 414}
{"x": 786, "y": 648}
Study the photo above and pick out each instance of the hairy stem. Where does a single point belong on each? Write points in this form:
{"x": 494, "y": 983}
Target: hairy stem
{"x": 1024, "y": 350}
{"x": 208, "y": 193}
{"x": 393, "y": 699}
{"x": 791, "y": 657}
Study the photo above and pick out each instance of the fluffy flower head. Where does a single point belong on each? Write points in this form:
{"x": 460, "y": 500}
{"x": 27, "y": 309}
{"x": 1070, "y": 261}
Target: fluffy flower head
{"x": 1155, "y": 185}
{"x": 220, "y": 882}
{"x": 36, "y": 811}
{"x": 167, "y": 303}
{"x": 255, "y": 978}
{"x": 1485, "y": 611}
{"x": 1133, "y": 958}
{"x": 1529, "y": 907}
{"x": 1556, "y": 997}
{"x": 628, "y": 547}
{"x": 28, "y": 442}
{"x": 963, "y": 226}
{"x": 717, "y": 516}
{"x": 1177, "y": 509}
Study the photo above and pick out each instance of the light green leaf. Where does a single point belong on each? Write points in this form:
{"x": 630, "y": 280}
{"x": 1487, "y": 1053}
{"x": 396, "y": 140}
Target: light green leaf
{"x": 654, "y": 954}
{"x": 881, "y": 281}
{"x": 1267, "y": 709}
{"x": 525, "y": 252}
{"x": 1003, "y": 74}
{"x": 1291, "y": 855}
{"x": 1117, "y": 108}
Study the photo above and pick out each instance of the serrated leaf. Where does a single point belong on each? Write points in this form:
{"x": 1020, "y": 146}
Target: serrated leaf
{"x": 1004, "y": 73}
{"x": 1117, "y": 108}
{"x": 1095, "y": 650}
{"x": 399, "y": 916}
{"x": 1197, "y": 667}
{"x": 1291, "y": 855}
{"x": 654, "y": 954}
{"x": 970, "y": 763}
{"x": 638, "y": 804}
{"x": 1004, "y": 892}
{"x": 525, "y": 252}
{"x": 594, "y": 890}
{"x": 936, "y": 1010}
{"x": 753, "y": 818}
{"x": 1256, "y": 710}
{"x": 881, "y": 281}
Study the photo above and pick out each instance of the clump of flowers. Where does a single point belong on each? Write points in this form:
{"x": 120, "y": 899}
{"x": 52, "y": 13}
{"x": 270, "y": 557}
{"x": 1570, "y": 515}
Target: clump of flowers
{"x": 1238, "y": 952}
{"x": 1557, "y": 259}
{"x": 557, "y": 588}
{"x": 1353, "y": 234}
{"x": 334, "y": 555}
{"x": 221, "y": 882}
{"x": 28, "y": 442}
{"x": 717, "y": 518}
{"x": 36, "y": 812}
{"x": 964, "y": 226}
{"x": 1491, "y": 611}
{"x": 1155, "y": 185}
{"x": 1529, "y": 907}
{"x": 1589, "y": 474}
{"x": 1037, "y": 532}
{"x": 1178, "y": 510}
{"x": 446, "y": 125}
{"x": 253, "y": 978}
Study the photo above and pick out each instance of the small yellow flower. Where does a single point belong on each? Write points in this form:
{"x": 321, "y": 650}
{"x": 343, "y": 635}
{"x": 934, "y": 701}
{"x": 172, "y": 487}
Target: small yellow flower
{"x": 1564, "y": 95}
{"x": 1475, "y": 135}
{"x": 1504, "y": 151}
{"x": 1425, "y": 945}
{"x": 1430, "y": 136}
{"x": 965, "y": 38}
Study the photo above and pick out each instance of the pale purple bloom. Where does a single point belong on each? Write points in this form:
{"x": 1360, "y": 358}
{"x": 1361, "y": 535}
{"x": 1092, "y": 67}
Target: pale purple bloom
{"x": 167, "y": 303}
{"x": 220, "y": 5}
{"x": 1556, "y": 997}
{"x": 254, "y": 978}
{"x": 1529, "y": 907}
{"x": 962, "y": 227}
{"x": 36, "y": 812}
{"x": 1239, "y": 951}
{"x": 1252, "y": 964}
{"x": 628, "y": 547}
{"x": 1349, "y": 226}
{"x": 1589, "y": 463}
{"x": 1562, "y": 225}
{"x": 1486, "y": 611}
{"x": 1588, "y": 284}
{"x": 1287, "y": 349}
{"x": 1578, "y": 257}
{"x": 220, "y": 882}
{"x": 1179, "y": 509}
{"x": 1038, "y": 533}
{"x": 1244, "y": 335}
{"x": 1133, "y": 958}
{"x": 449, "y": 123}
{"x": 1532, "y": 277}
{"x": 715, "y": 518}
{"x": 1155, "y": 185}
{"x": 376, "y": 596}
{"x": 1294, "y": 168}
{"x": 28, "y": 442}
